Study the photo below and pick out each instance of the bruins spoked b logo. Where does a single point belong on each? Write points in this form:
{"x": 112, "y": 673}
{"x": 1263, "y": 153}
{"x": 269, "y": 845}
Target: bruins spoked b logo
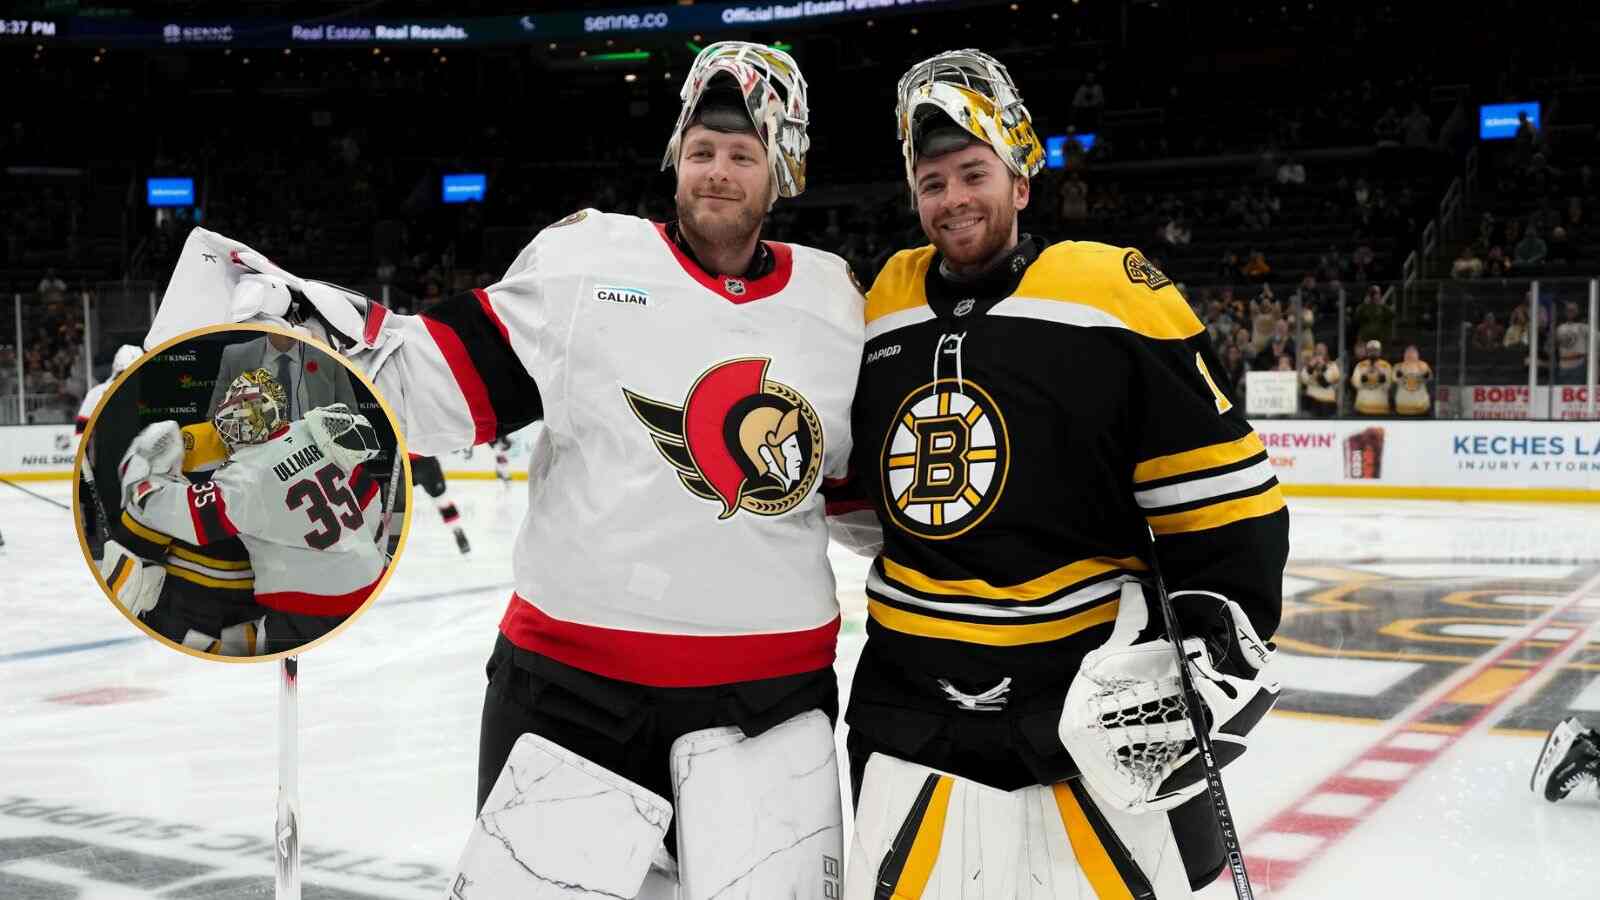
{"x": 945, "y": 459}
{"x": 740, "y": 439}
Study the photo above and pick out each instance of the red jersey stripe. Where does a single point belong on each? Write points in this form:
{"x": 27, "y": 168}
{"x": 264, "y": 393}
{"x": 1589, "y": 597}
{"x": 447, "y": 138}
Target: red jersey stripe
{"x": 484, "y": 421}
{"x": 669, "y": 660}
{"x": 304, "y": 604}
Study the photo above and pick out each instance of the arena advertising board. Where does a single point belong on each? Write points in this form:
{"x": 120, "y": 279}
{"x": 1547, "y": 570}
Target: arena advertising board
{"x": 481, "y": 30}
{"x": 1513, "y": 401}
{"x": 1434, "y": 454}
{"x": 36, "y": 450}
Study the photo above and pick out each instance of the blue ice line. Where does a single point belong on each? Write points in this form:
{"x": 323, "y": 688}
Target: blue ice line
{"x": 63, "y": 649}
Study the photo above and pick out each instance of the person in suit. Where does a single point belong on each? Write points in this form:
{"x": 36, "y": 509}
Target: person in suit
{"x": 310, "y": 377}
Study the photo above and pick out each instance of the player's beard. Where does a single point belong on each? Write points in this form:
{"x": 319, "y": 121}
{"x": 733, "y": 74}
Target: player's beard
{"x": 973, "y": 251}
{"x": 721, "y": 228}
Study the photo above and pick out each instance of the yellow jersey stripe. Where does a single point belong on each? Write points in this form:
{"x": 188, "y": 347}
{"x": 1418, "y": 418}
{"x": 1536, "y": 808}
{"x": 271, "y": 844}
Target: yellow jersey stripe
{"x": 228, "y": 565}
{"x": 1199, "y": 460}
{"x": 992, "y": 635}
{"x": 1088, "y": 849}
{"x": 925, "y": 846}
{"x": 901, "y": 285}
{"x": 236, "y": 584}
{"x": 154, "y": 537}
{"x": 1035, "y": 589}
{"x": 1217, "y": 515}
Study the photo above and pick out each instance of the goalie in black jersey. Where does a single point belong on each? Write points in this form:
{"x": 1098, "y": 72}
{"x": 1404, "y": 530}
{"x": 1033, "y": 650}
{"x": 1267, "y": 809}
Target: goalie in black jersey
{"x": 1026, "y": 416}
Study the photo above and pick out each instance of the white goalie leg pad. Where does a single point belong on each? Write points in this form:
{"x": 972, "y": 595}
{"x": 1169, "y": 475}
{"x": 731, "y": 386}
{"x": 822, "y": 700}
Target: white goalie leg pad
{"x": 134, "y": 585}
{"x": 559, "y": 827}
{"x": 924, "y": 833}
{"x": 759, "y": 817}
{"x": 244, "y": 639}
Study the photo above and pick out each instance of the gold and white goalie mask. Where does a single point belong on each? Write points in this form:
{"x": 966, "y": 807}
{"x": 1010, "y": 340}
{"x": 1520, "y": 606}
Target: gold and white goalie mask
{"x": 774, "y": 95}
{"x": 252, "y": 410}
{"x": 973, "y": 90}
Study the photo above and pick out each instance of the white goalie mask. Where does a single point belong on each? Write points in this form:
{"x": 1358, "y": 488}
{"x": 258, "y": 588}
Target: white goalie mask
{"x": 973, "y": 90}
{"x": 253, "y": 408}
{"x": 774, "y": 95}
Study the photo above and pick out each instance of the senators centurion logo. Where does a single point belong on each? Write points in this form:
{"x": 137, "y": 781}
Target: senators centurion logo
{"x": 739, "y": 439}
{"x": 945, "y": 459}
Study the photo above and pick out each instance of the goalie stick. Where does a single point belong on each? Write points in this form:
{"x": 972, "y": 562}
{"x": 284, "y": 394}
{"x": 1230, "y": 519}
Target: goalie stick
{"x": 1202, "y": 737}
{"x": 286, "y": 833}
{"x": 102, "y": 521}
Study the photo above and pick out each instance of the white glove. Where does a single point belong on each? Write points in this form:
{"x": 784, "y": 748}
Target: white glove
{"x": 219, "y": 280}
{"x": 1125, "y": 721}
{"x": 156, "y": 450}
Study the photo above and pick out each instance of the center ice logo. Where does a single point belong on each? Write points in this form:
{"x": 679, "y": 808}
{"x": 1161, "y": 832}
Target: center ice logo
{"x": 740, "y": 439}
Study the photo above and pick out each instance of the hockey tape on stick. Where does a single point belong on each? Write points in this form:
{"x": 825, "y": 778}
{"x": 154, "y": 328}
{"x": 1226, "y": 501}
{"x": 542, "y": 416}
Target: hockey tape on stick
{"x": 1202, "y": 737}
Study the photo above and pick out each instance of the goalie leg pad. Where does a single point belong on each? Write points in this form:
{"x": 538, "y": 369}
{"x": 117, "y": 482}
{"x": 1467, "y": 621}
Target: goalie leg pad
{"x": 759, "y": 817}
{"x": 559, "y": 827}
{"x": 134, "y": 585}
{"x": 244, "y": 639}
{"x": 924, "y": 833}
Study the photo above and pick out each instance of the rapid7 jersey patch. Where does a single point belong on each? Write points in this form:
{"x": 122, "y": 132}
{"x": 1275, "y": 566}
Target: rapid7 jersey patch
{"x": 945, "y": 459}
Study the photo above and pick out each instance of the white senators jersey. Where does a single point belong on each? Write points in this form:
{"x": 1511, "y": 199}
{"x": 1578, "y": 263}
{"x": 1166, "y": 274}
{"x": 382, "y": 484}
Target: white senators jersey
{"x": 308, "y": 525}
{"x": 91, "y": 399}
{"x": 675, "y": 533}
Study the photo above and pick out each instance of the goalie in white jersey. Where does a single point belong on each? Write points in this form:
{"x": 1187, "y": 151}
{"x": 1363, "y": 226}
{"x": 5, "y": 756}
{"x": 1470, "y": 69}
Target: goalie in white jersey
{"x": 297, "y": 496}
{"x": 673, "y": 599}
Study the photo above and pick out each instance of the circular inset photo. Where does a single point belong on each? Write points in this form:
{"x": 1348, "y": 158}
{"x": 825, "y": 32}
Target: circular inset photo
{"x": 238, "y": 492}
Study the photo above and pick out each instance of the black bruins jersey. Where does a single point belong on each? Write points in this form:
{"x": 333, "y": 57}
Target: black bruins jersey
{"x": 1016, "y": 435}
{"x": 206, "y": 589}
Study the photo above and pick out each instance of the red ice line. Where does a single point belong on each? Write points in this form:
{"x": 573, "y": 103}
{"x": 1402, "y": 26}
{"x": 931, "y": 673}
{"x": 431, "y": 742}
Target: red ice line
{"x": 1326, "y": 829}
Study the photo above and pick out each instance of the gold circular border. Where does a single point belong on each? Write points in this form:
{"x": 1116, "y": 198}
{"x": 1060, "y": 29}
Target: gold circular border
{"x": 995, "y": 490}
{"x": 813, "y": 465}
{"x": 402, "y": 456}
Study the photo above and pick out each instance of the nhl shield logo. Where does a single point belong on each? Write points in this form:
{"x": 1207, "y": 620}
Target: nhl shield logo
{"x": 734, "y": 286}
{"x": 740, "y": 439}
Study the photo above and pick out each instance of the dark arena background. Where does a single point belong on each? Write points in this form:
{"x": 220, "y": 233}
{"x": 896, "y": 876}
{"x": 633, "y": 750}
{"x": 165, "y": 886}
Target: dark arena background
{"x": 1314, "y": 176}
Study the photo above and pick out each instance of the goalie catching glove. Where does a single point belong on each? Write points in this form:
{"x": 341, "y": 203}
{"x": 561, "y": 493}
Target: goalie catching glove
{"x": 1125, "y": 721}
{"x": 346, "y": 437}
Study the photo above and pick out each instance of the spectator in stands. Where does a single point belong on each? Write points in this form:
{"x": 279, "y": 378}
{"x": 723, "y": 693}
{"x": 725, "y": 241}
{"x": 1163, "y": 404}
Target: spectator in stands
{"x": 1562, "y": 248}
{"x": 1417, "y": 127}
{"x": 1530, "y": 251}
{"x": 1256, "y": 269}
{"x": 1411, "y": 384}
{"x": 1387, "y": 129}
{"x": 1088, "y": 103}
{"x": 1279, "y": 346}
{"x": 1319, "y": 381}
{"x": 1371, "y": 381}
{"x": 1074, "y": 199}
{"x": 1467, "y": 264}
{"x": 1489, "y": 334}
{"x": 1301, "y": 315}
{"x": 1219, "y": 325}
{"x": 1572, "y": 347}
{"x": 1231, "y": 269}
{"x": 1291, "y": 173}
{"x": 1374, "y": 317}
{"x": 1246, "y": 347}
{"x": 1330, "y": 265}
{"x": 1362, "y": 262}
{"x": 1496, "y": 265}
{"x": 51, "y": 287}
{"x": 1517, "y": 328}
{"x": 1176, "y": 232}
{"x": 1234, "y": 369}
{"x": 1265, "y": 313}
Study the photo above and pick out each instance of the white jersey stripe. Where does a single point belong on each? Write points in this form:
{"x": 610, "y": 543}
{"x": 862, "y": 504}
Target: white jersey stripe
{"x": 1204, "y": 488}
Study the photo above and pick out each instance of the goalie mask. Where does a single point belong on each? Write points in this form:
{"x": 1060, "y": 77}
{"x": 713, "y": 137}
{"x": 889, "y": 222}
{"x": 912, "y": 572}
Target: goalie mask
{"x": 253, "y": 408}
{"x": 763, "y": 83}
{"x": 971, "y": 91}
